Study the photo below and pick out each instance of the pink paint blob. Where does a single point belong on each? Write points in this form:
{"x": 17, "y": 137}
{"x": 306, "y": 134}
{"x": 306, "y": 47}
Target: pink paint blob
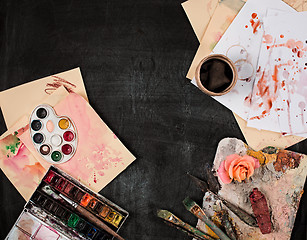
{"x": 268, "y": 38}
{"x": 50, "y": 126}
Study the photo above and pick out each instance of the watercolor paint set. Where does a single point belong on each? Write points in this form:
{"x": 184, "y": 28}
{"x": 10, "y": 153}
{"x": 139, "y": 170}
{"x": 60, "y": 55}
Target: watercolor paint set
{"x": 54, "y": 137}
{"x": 62, "y": 208}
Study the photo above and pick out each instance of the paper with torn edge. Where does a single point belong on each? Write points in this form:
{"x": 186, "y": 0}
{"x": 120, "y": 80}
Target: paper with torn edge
{"x": 100, "y": 156}
{"x": 283, "y": 72}
{"x": 21, "y": 100}
{"x": 241, "y": 43}
{"x": 16, "y": 161}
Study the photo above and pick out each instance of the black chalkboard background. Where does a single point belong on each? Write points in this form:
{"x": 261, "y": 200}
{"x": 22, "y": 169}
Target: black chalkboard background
{"x": 133, "y": 55}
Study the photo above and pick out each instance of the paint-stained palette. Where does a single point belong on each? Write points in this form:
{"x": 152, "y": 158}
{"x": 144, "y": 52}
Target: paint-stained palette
{"x": 54, "y": 137}
{"x": 280, "y": 179}
{"x": 49, "y": 216}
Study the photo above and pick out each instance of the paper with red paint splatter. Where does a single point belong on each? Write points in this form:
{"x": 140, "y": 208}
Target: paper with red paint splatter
{"x": 241, "y": 43}
{"x": 281, "y": 83}
{"x": 100, "y": 155}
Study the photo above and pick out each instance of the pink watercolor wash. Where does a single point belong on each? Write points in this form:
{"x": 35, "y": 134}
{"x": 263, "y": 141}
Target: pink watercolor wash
{"x": 46, "y": 233}
{"x": 99, "y": 157}
{"x": 19, "y": 165}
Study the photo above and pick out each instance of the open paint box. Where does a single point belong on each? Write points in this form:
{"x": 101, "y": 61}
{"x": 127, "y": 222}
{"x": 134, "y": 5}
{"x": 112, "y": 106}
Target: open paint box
{"x": 50, "y": 214}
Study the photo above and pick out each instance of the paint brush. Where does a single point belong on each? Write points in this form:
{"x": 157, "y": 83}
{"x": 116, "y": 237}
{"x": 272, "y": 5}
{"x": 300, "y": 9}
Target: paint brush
{"x": 201, "y": 184}
{"x": 242, "y": 214}
{"x": 212, "y": 181}
{"x": 169, "y": 217}
{"x": 183, "y": 230}
{"x": 196, "y": 210}
{"x": 89, "y": 216}
{"x": 223, "y": 216}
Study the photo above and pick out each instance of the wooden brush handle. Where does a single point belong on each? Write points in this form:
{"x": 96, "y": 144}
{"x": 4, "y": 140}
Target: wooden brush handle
{"x": 91, "y": 217}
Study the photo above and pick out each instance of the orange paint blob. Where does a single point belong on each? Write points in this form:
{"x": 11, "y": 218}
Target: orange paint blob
{"x": 254, "y": 15}
{"x": 282, "y": 36}
{"x": 246, "y": 26}
{"x": 274, "y": 76}
{"x": 85, "y": 200}
{"x": 270, "y": 103}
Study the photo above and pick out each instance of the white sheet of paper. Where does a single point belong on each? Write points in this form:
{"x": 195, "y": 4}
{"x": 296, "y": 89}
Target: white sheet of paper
{"x": 265, "y": 95}
{"x": 287, "y": 47}
{"x": 241, "y": 43}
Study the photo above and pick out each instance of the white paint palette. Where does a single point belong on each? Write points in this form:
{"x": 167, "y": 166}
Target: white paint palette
{"x": 54, "y": 137}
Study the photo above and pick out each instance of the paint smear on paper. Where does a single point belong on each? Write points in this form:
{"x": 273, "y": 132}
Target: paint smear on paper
{"x": 99, "y": 156}
{"x": 19, "y": 164}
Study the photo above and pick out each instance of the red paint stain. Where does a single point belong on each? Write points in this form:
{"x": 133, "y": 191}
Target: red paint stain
{"x": 300, "y": 54}
{"x": 295, "y": 46}
{"x": 58, "y": 82}
{"x": 282, "y": 36}
{"x": 95, "y": 179}
{"x": 279, "y": 59}
{"x": 256, "y": 117}
{"x": 263, "y": 88}
{"x": 282, "y": 83}
{"x": 255, "y": 25}
{"x": 254, "y": 22}
{"x": 275, "y": 78}
{"x": 246, "y": 26}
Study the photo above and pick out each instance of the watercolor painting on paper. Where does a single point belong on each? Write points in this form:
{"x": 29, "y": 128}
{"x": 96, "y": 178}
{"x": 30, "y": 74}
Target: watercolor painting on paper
{"x": 19, "y": 165}
{"x": 279, "y": 97}
{"x": 100, "y": 156}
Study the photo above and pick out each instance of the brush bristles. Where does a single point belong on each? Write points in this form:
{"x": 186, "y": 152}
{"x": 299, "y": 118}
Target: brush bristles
{"x": 163, "y": 214}
{"x": 188, "y": 203}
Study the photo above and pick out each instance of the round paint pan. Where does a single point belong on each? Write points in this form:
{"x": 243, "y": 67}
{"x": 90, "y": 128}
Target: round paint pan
{"x": 54, "y": 137}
